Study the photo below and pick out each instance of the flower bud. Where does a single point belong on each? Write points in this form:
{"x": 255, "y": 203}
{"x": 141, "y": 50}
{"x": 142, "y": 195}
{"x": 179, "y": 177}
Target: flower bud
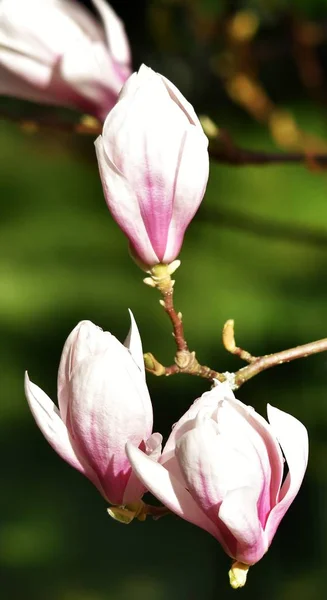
{"x": 56, "y": 52}
{"x": 153, "y": 162}
{"x": 223, "y": 470}
{"x": 103, "y": 403}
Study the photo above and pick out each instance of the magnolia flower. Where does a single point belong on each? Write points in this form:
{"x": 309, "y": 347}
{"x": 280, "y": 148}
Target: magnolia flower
{"x": 153, "y": 162}
{"x": 103, "y": 403}
{"x": 56, "y": 52}
{"x": 223, "y": 470}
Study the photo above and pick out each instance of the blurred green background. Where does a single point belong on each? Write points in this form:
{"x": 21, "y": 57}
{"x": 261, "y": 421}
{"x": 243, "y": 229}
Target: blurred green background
{"x": 255, "y": 252}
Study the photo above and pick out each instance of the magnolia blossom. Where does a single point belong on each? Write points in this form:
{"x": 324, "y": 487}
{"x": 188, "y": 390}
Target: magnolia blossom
{"x": 103, "y": 403}
{"x": 223, "y": 470}
{"x": 153, "y": 162}
{"x": 56, "y": 52}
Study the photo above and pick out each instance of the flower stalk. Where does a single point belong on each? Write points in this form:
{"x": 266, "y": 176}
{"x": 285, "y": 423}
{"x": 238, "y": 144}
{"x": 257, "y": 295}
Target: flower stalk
{"x": 184, "y": 359}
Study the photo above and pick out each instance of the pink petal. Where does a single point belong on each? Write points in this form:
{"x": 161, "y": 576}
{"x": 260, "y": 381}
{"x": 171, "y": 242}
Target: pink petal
{"x": 85, "y": 340}
{"x": 82, "y": 67}
{"x": 293, "y": 438}
{"x": 238, "y": 512}
{"x": 153, "y": 446}
{"x": 190, "y": 186}
{"x": 123, "y": 205}
{"x": 116, "y": 36}
{"x": 185, "y": 106}
{"x": 81, "y": 17}
{"x": 135, "y": 489}
{"x": 34, "y": 72}
{"x": 134, "y": 344}
{"x": 208, "y": 400}
{"x": 14, "y": 85}
{"x": 19, "y": 34}
{"x": 215, "y": 461}
{"x": 48, "y": 419}
{"x": 261, "y": 436}
{"x": 38, "y": 38}
{"x": 109, "y": 405}
{"x": 75, "y": 68}
{"x": 167, "y": 489}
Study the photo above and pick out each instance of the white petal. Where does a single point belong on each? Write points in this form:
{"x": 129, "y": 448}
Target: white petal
{"x": 186, "y": 107}
{"x": 153, "y": 446}
{"x": 238, "y": 512}
{"x": 135, "y": 489}
{"x": 293, "y": 438}
{"x": 123, "y": 204}
{"x": 167, "y": 489}
{"x": 48, "y": 419}
{"x": 86, "y": 339}
{"x": 115, "y": 32}
{"x": 83, "y": 66}
{"x": 209, "y": 401}
{"x": 32, "y": 28}
{"x": 34, "y": 72}
{"x": 234, "y": 417}
{"x": 190, "y": 185}
{"x": 109, "y": 405}
{"x": 134, "y": 344}
{"x": 14, "y": 85}
{"x": 214, "y": 463}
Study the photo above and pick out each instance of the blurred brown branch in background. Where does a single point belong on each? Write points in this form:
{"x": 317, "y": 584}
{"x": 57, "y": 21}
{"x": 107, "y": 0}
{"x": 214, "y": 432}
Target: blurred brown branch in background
{"x": 265, "y": 227}
{"x": 235, "y": 57}
{"x": 222, "y": 148}
{"x": 87, "y": 125}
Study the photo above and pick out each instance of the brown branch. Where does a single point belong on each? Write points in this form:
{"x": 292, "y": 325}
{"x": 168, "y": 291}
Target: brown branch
{"x": 278, "y": 358}
{"x": 87, "y": 125}
{"x": 243, "y": 157}
{"x": 176, "y": 319}
{"x": 222, "y": 149}
{"x": 293, "y": 233}
{"x": 185, "y": 360}
{"x": 224, "y": 153}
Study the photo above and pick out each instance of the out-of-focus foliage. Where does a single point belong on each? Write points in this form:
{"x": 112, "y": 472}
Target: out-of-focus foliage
{"x": 256, "y": 252}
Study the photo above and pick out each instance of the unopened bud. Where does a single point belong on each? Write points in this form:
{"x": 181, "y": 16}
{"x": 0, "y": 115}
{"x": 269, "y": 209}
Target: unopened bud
{"x": 228, "y": 336}
{"x": 152, "y": 365}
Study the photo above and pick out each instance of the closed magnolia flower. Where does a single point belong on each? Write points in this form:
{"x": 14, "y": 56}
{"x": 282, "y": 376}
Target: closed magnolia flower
{"x": 223, "y": 470}
{"x": 56, "y": 52}
{"x": 153, "y": 162}
{"x": 103, "y": 403}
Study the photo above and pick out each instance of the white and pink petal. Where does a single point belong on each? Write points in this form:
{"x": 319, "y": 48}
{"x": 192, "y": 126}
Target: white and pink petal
{"x": 293, "y": 438}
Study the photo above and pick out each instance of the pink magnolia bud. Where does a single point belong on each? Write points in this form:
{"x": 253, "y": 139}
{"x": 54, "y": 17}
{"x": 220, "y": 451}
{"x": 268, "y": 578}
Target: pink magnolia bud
{"x": 56, "y": 52}
{"x": 103, "y": 403}
{"x": 223, "y": 469}
{"x": 153, "y": 162}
